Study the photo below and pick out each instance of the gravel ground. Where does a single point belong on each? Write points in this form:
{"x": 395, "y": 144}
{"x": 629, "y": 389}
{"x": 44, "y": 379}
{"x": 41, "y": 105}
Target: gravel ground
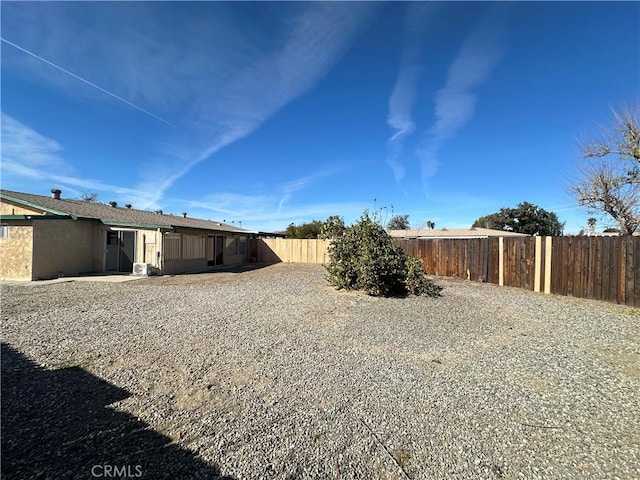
{"x": 271, "y": 373}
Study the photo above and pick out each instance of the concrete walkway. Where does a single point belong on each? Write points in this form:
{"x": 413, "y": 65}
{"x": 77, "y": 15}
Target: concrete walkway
{"x": 111, "y": 278}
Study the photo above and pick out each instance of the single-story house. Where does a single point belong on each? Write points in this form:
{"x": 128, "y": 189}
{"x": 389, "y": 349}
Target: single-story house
{"x": 45, "y": 237}
{"x": 454, "y": 233}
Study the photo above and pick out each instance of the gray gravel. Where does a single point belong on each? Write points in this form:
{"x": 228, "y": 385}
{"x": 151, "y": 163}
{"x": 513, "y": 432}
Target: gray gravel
{"x": 273, "y": 374}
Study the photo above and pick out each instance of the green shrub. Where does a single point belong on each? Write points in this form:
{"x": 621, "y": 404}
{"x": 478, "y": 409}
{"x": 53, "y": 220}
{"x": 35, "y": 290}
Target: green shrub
{"x": 364, "y": 257}
{"x": 417, "y": 281}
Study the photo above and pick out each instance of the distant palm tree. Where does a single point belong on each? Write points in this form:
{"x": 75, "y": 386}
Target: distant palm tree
{"x": 592, "y": 225}
{"x": 431, "y": 225}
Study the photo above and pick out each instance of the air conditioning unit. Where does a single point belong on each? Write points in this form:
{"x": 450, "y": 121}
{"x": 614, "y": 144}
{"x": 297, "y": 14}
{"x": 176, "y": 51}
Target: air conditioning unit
{"x": 142, "y": 269}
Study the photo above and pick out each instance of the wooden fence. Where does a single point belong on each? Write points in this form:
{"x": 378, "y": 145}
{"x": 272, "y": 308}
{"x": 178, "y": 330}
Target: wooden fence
{"x": 274, "y": 250}
{"x": 599, "y": 268}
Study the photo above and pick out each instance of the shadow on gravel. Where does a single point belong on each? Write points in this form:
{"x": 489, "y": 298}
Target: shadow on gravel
{"x": 245, "y": 267}
{"x": 210, "y": 275}
{"x": 56, "y": 424}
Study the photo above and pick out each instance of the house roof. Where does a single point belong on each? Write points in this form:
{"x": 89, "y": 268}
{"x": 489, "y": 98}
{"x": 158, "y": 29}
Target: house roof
{"x": 454, "y": 233}
{"x": 119, "y": 216}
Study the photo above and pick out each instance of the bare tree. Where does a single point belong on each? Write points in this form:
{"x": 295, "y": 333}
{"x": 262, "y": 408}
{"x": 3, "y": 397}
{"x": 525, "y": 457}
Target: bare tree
{"x": 610, "y": 181}
{"x": 88, "y": 197}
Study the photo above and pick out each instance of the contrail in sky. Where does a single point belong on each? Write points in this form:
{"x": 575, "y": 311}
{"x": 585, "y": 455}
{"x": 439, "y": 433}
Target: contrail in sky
{"x": 86, "y": 81}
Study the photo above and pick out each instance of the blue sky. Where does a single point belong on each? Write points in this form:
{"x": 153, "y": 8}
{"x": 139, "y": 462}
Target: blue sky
{"x": 270, "y": 113}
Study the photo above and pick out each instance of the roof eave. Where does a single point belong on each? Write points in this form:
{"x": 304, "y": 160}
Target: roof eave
{"x": 114, "y": 223}
{"x": 221, "y": 230}
{"x": 26, "y": 203}
{"x": 36, "y": 216}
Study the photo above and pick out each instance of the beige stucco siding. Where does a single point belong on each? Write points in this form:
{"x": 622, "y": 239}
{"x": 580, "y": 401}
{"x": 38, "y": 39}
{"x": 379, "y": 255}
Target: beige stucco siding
{"x": 66, "y": 247}
{"x": 15, "y": 253}
{"x": 148, "y": 243}
{"x": 7, "y": 208}
{"x": 47, "y": 244}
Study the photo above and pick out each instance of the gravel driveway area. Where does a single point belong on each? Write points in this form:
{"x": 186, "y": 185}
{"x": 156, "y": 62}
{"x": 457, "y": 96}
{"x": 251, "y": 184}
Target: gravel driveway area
{"x": 271, "y": 373}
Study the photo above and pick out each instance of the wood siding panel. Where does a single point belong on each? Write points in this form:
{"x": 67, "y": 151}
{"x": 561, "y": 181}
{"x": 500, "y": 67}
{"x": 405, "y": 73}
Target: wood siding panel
{"x": 171, "y": 248}
{"x": 193, "y": 246}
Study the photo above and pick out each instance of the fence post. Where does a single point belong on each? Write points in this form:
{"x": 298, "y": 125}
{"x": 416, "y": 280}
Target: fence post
{"x": 538, "y": 264}
{"x": 547, "y": 264}
{"x": 501, "y": 261}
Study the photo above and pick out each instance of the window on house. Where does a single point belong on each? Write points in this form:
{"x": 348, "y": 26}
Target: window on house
{"x": 242, "y": 245}
{"x": 4, "y": 230}
{"x": 112, "y": 238}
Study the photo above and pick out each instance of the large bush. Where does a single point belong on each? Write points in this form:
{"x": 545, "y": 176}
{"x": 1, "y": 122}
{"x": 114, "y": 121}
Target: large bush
{"x": 364, "y": 257}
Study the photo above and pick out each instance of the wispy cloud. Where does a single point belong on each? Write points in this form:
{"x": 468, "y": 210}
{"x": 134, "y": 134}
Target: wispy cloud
{"x": 256, "y": 211}
{"x": 455, "y": 102}
{"x": 77, "y": 77}
{"x": 23, "y": 147}
{"x": 291, "y": 187}
{"x": 403, "y": 97}
{"x": 220, "y": 82}
{"x": 315, "y": 41}
{"x": 31, "y": 155}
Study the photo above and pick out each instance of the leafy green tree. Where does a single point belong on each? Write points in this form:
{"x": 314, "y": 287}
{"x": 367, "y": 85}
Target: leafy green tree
{"x": 312, "y": 229}
{"x": 333, "y": 227}
{"x": 399, "y": 222}
{"x": 525, "y": 218}
{"x": 610, "y": 181}
{"x": 494, "y": 221}
{"x": 364, "y": 257}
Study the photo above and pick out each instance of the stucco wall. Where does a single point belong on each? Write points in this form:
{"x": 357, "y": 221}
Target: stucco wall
{"x": 147, "y": 245}
{"x": 7, "y": 208}
{"x": 15, "y": 252}
{"x": 66, "y": 247}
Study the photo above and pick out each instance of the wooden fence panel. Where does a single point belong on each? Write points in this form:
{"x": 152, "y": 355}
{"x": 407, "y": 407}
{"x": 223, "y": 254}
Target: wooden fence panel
{"x": 473, "y": 258}
{"x": 519, "y": 262}
{"x": 629, "y": 273}
{"x": 606, "y": 269}
{"x": 569, "y": 264}
{"x": 600, "y": 268}
{"x": 620, "y": 273}
{"x": 542, "y": 263}
{"x": 598, "y": 285}
{"x": 636, "y": 276}
{"x": 494, "y": 260}
{"x": 275, "y": 250}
